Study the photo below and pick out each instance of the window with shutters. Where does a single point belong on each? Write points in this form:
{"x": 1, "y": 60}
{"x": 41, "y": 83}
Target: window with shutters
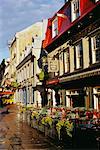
{"x": 95, "y": 42}
{"x": 61, "y": 63}
{"x": 66, "y": 61}
{"x": 78, "y": 55}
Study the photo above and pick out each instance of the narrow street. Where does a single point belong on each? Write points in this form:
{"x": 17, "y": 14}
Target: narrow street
{"x": 16, "y": 134}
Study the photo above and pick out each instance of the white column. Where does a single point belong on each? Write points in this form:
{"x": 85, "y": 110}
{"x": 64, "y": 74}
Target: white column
{"x": 95, "y": 99}
{"x": 53, "y": 96}
{"x": 39, "y": 99}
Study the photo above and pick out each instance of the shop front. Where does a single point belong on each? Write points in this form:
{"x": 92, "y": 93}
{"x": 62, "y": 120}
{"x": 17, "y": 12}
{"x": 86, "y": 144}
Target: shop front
{"x": 82, "y": 89}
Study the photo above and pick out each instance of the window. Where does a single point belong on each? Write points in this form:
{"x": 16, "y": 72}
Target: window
{"x": 75, "y": 9}
{"x": 96, "y": 0}
{"x": 56, "y": 73}
{"x": 78, "y": 55}
{"x": 54, "y": 27}
{"x": 95, "y": 42}
{"x": 66, "y": 60}
{"x": 27, "y": 71}
{"x": 61, "y": 64}
{"x": 96, "y": 98}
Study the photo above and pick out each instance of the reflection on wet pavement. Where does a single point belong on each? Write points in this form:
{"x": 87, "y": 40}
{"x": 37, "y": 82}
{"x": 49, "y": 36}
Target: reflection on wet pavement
{"x": 16, "y": 134}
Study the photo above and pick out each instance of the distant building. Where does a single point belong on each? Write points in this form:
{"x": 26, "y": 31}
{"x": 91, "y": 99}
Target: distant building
{"x": 28, "y": 48}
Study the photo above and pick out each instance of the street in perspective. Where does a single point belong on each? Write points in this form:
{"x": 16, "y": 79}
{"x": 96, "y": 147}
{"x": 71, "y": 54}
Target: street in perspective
{"x": 16, "y": 133}
{"x": 50, "y": 80}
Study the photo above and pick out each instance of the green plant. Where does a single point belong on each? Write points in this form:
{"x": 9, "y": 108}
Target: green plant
{"x": 47, "y": 121}
{"x": 68, "y": 127}
{"x": 35, "y": 115}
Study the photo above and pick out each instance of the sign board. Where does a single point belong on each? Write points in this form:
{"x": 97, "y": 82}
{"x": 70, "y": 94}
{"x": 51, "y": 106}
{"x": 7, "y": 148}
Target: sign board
{"x": 52, "y": 65}
{"x": 54, "y": 81}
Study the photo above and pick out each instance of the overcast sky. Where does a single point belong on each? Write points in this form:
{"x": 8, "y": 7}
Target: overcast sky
{"x": 16, "y": 15}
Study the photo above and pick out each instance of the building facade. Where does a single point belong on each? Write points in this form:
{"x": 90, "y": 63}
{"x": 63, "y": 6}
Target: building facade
{"x": 28, "y": 49}
{"x": 73, "y": 44}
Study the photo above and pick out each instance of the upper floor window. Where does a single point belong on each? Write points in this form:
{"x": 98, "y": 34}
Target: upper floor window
{"x": 61, "y": 63}
{"x": 96, "y": 0}
{"x": 27, "y": 68}
{"x": 54, "y": 27}
{"x": 66, "y": 61}
{"x": 56, "y": 73}
{"x": 95, "y": 48}
{"x": 78, "y": 55}
{"x": 75, "y": 9}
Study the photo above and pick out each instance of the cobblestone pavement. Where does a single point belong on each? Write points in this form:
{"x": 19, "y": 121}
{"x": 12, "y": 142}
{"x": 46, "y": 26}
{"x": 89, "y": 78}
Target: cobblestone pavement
{"x": 16, "y": 134}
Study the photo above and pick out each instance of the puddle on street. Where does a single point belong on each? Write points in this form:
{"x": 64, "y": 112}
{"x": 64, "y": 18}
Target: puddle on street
{"x": 16, "y": 134}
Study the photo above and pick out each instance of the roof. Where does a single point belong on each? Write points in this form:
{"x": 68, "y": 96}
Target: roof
{"x": 85, "y": 10}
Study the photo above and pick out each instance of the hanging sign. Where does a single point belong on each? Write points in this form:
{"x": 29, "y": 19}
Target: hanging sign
{"x": 52, "y": 65}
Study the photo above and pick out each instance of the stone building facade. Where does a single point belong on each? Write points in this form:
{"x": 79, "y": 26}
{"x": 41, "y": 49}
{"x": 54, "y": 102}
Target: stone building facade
{"x": 73, "y": 38}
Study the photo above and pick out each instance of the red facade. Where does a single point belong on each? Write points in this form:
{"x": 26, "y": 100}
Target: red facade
{"x": 64, "y": 23}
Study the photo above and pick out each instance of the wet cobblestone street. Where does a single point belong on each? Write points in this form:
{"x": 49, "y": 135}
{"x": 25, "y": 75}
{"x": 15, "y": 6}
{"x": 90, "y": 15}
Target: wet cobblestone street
{"x": 16, "y": 134}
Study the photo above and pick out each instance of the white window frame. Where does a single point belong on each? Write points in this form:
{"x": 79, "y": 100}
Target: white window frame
{"x": 66, "y": 60}
{"x": 96, "y": 99}
{"x": 25, "y": 73}
{"x": 78, "y": 55}
{"x": 27, "y": 70}
{"x": 61, "y": 63}
{"x": 54, "y": 27}
{"x": 75, "y": 7}
{"x": 94, "y": 48}
{"x": 68, "y": 99}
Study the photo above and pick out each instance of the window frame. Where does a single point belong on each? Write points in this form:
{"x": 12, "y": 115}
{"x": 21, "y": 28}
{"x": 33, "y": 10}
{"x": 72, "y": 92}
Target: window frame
{"x": 61, "y": 63}
{"x": 78, "y": 56}
{"x": 95, "y": 49}
{"x": 66, "y": 60}
{"x": 55, "y": 27}
{"x": 75, "y": 13}
{"x": 57, "y": 57}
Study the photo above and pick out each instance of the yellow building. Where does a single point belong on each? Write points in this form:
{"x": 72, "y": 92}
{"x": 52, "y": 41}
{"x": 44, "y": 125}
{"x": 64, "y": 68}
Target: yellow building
{"x": 25, "y": 50}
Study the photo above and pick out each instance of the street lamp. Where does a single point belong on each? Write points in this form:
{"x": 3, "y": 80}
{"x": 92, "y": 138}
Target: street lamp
{"x": 45, "y": 70}
{"x": 1, "y": 103}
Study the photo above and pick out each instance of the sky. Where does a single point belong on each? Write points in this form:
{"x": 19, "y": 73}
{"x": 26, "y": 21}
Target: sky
{"x": 15, "y": 15}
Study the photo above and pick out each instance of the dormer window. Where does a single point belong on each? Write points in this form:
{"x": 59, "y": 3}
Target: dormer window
{"x": 94, "y": 1}
{"x": 54, "y": 27}
{"x": 75, "y": 9}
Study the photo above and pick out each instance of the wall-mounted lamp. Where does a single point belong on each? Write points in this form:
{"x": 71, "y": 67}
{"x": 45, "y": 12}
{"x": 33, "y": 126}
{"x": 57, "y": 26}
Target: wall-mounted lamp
{"x": 68, "y": 32}
{"x": 91, "y": 15}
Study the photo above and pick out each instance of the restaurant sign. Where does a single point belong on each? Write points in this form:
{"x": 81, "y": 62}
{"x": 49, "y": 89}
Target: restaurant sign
{"x": 52, "y": 65}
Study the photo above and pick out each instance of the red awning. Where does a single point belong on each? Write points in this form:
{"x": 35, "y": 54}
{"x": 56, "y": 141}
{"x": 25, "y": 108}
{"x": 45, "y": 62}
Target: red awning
{"x": 6, "y": 93}
{"x": 52, "y": 82}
